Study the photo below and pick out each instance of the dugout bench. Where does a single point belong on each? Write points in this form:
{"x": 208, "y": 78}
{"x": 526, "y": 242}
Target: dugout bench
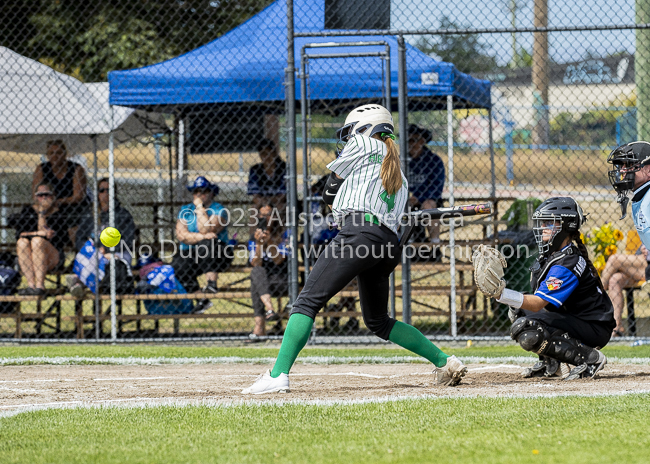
{"x": 51, "y": 317}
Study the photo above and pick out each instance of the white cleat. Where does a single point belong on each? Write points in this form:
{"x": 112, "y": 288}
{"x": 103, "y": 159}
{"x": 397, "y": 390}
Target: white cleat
{"x": 452, "y": 373}
{"x": 267, "y": 384}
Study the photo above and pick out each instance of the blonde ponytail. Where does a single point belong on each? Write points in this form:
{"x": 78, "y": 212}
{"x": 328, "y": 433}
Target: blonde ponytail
{"x": 391, "y": 174}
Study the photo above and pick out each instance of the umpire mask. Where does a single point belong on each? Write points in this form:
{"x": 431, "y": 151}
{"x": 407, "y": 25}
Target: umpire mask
{"x": 626, "y": 160}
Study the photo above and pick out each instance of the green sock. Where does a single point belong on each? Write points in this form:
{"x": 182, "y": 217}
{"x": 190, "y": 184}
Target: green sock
{"x": 412, "y": 339}
{"x": 295, "y": 338}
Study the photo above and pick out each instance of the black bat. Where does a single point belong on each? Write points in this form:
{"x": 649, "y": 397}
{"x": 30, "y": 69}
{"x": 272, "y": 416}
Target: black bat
{"x": 437, "y": 213}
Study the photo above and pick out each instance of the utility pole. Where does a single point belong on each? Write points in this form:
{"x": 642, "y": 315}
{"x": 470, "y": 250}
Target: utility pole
{"x": 512, "y": 8}
{"x": 641, "y": 63}
{"x": 541, "y": 73}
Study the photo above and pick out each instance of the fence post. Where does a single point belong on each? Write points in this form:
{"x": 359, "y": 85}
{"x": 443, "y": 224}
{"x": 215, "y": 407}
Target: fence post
{"x": 403, "y": 148}
{"x": 452, "y": 240}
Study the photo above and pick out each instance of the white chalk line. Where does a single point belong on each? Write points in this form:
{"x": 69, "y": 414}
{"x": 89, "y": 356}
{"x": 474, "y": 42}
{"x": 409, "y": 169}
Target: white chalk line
{"x": 39, "y": 380}
{"x": 494, "y": 368}
{"x": 324, "y": 360}
{"x": 119, "y": 379}
{"x": 82, "y": 402}
{"x": 141, "y": 403}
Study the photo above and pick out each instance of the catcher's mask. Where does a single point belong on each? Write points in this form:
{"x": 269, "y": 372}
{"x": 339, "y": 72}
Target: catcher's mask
{"x": 553, "y": 221}
{"x": 626, "y": 160}
{"x": 367, "y": 120}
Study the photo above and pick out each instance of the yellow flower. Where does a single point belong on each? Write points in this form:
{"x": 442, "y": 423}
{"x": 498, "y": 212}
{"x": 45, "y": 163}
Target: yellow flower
{"x": 582, "y": 237}
{"x": 610, "y": 250}
{"x": 599, "y": 263}
{"x": 618, "y": 235}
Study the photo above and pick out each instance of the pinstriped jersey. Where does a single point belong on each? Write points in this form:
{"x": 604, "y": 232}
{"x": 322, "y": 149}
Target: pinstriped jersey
{"x": 360, "y": 166}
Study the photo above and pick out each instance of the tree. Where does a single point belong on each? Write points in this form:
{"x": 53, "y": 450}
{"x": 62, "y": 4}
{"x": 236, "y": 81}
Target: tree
{"x": 93, "y": 38}
{"x": 465, "y": 51}
{"x": 525, "y": 59}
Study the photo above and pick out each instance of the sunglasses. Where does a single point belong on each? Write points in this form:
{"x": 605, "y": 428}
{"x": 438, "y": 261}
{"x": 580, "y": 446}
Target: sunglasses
{"x": 199, "y": 191}
{"x": 104, "y": 190}
{"x": 44, "y": 194}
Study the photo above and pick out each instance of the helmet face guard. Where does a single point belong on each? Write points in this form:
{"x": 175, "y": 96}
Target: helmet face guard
{"x": 346, "y": 132}
{"x": 549, "y": 233}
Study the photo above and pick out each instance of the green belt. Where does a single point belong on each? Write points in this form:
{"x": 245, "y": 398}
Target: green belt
{"x": 371, "y": 218}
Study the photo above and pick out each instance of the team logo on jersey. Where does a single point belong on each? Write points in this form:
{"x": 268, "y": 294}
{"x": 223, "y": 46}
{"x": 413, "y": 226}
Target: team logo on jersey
{"x": 553, "y": 283}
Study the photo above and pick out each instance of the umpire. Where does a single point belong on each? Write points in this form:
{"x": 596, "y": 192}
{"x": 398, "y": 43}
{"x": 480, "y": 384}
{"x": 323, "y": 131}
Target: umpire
{"x": 368, "y": 193}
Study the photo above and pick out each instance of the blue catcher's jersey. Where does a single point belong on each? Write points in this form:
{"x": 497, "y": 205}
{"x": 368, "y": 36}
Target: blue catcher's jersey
{"x": 566, "y": 283}
{"x": 641, "y": 213}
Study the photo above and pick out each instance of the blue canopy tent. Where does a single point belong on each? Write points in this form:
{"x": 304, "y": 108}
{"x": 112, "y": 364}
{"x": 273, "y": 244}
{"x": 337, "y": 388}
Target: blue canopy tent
{"x": 247, "y": 66}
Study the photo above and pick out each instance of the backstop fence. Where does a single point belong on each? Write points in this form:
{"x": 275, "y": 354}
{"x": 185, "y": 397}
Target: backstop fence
{"x": 202, "y": 131}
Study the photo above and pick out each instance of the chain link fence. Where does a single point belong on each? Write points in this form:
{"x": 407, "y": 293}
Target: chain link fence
{"x": 174, "y": 121}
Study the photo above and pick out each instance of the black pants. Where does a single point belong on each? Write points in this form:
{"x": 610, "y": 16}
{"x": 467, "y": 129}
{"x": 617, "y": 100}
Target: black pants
{"x": 591, "y": 333}
{"x": 363, "y": 250}
{"x": 205, "y": 256}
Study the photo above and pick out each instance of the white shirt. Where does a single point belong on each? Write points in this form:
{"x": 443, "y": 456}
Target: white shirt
{"x": 360, "y": 166}
{"x": 641, "y": 215}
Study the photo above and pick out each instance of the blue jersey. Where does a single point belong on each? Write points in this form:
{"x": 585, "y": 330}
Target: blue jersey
{"x": 187, "y": 214}
{"x": 641, "y": 213}
{"x": 567, "y": 284}
{"x": 426, "y": 176}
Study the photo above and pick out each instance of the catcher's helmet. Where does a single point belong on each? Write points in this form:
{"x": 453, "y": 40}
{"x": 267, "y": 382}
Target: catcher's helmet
{"x": 626, "y": 160}
{"x": 367, "y": 120}
{"x": 562, "y": 216}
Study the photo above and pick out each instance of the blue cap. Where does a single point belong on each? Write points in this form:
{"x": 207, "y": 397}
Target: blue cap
{"x": 203, "y": 183}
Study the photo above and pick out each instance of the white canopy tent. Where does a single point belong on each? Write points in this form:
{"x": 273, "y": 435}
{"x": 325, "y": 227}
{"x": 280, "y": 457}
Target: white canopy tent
{"x": 38, "y": 104}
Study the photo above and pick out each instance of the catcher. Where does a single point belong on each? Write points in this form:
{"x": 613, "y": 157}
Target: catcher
{"x": 570, "y": 314}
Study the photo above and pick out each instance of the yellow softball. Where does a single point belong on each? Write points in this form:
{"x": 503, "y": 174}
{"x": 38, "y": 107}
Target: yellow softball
{"x": 110, "y": 237}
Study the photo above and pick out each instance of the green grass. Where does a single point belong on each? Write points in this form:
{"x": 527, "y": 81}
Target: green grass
{"x": 181, "y": 351}
{"x": 496, "y": 430}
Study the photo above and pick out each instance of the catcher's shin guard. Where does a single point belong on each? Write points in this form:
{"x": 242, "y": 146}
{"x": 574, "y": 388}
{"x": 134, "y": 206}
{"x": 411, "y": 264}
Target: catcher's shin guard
{"x": 545, "y": 367}
{"x": 535, "y": 336}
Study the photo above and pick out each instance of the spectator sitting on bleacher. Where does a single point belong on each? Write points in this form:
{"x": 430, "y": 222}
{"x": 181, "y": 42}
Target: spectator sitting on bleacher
{"x": 426, "y": 176}
{"x": 68, "y": 181}
{"x": 622, "y": 271}
{"x": 203, "y": 236}
{"x": 41, "y": 231}
{"x": 123, "y": 222}
{"x": 269, "y": 276}
{"x": 266, "y": 180}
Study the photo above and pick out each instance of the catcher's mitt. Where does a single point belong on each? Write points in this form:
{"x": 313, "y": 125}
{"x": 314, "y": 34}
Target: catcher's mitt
{"x": 488, "y": 270}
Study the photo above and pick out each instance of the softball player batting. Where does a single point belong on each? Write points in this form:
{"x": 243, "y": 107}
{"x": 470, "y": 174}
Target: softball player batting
{"x": 368, "y": 192}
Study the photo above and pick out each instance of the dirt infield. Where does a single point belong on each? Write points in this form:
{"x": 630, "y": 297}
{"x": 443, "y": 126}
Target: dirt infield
{"x": 44, "y": 386}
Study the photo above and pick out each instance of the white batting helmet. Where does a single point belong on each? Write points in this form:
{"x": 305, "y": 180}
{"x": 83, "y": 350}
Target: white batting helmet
{"x": 367, "y": 120}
